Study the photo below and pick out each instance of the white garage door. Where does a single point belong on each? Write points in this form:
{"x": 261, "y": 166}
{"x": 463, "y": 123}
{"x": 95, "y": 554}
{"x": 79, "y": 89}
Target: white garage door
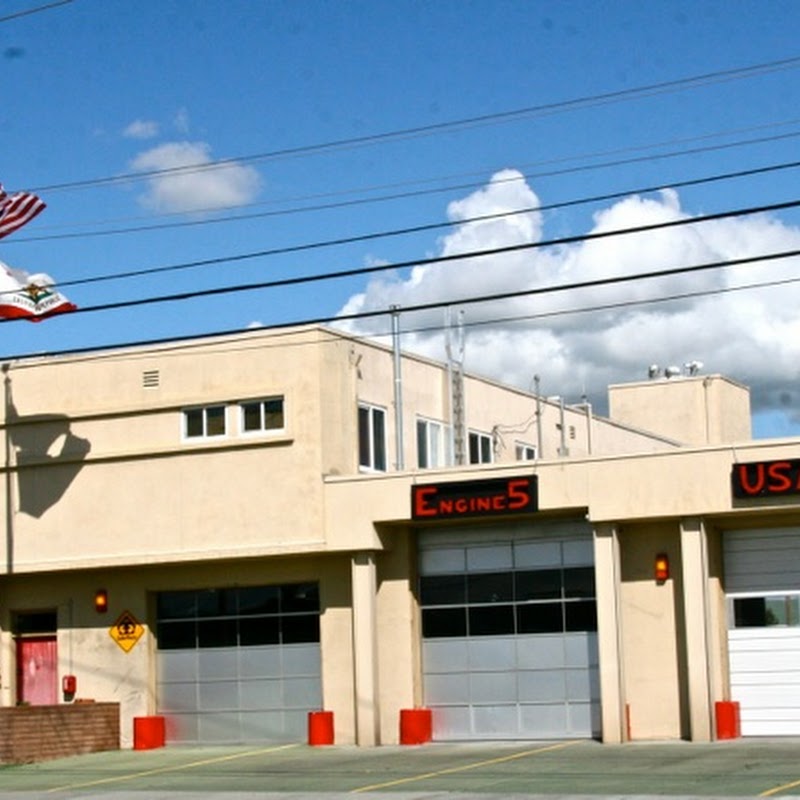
{"x": 509, "y": 633}
{"x": 238, "y": 664}
{"x": 762, "y": 581}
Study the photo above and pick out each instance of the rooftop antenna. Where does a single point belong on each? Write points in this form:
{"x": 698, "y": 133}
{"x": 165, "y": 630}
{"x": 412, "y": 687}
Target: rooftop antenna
{"x": 455, "y": 371}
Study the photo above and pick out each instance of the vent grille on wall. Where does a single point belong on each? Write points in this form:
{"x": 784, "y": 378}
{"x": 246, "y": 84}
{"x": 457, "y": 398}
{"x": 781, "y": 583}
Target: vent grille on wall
{"x": 151, "y": 378}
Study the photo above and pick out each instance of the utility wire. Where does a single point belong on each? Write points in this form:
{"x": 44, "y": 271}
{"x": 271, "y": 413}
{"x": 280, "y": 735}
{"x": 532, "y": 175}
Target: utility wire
{"x": 35, "y": 10}
{"x": 587, "y": 101}
{"x": 478, "y": 176}
{"x": 432, "y": 226}
{"x": 478, "y": 323}
{"x": 461, "y": 256}
{"x": 578, "y": 238}
{"x": 175, "y": 341}
{"x": 438, "y": 190}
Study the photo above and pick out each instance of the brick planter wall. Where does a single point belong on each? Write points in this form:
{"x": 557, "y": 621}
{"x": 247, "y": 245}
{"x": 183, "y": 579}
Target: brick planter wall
{"x": 38, "y": 733}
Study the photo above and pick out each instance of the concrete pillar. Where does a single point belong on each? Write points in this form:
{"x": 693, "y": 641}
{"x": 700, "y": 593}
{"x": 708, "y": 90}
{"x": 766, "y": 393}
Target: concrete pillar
{"x": 609, "y": 635}
{"x": 365, "y": 648}
{"x": 694, "y": 558}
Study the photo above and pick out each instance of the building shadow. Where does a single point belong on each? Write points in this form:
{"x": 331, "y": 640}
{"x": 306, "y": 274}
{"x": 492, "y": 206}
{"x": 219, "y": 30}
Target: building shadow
{"x": 47, "y": 455}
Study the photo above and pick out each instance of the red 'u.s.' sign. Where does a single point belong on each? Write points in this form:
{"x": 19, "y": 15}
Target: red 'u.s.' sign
{"x": 517, "y": 495}
{"x": 766, "y": 478}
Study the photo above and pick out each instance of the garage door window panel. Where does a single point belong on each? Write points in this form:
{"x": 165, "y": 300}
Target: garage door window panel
{"x": 541, "y": 584}
{"x": 299, "y": 597}
{"x": 300, "y": 629}
{"x": 217, "y": 633}
{"x": 255, "y": 631}
{"x": 767, "y": 611}
{"x": 580, "y": 616}
{"x": 579, "y": 582}
{"x": 443, "y": 590}
{"x": 177, "y": 605}
{"x": 177, "y": 635}
{"x": 490, "y": 587}
{"x": 540, "y": 618}
{"x": 444, "y": 622}
{"x": 491, "y": 620}
{"x": 259, "y": 600}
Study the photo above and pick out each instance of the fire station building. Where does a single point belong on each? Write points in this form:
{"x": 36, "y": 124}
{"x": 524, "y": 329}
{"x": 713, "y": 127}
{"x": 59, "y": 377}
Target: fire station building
{"x": 234, "y": 531}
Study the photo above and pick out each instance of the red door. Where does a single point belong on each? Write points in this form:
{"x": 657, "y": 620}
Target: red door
{"x": 37, "y": 670}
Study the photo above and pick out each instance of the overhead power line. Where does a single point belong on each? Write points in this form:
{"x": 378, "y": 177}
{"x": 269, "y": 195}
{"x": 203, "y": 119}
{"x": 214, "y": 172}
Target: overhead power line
{"x": 347, "y": 273}
{"x": 590, "y": 309}
{"x": 36, "y": 10}
{"x": 478, "y": 179}
{"x": 441, "y": 304}
{"x": 302, "y": 279}
{"x": 544, "y": 109}
{"x": 437, "y": 190}
{"x": 395, "y": 232}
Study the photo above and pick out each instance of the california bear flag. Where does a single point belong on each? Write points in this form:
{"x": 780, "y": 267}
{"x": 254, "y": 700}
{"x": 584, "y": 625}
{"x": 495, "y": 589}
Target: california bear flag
{"x": 29, "y": 296}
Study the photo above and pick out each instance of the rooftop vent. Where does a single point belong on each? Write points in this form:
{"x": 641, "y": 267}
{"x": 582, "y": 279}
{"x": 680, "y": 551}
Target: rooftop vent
{"x": 151, "y": 379}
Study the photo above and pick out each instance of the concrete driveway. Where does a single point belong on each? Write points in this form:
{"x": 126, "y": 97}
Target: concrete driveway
{"x": 739, "y": 768}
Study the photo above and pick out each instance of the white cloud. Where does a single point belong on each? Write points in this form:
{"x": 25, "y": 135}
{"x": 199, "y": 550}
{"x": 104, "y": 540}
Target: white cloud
{"x": 199, "y": 189}
{"x": 752, "y": 336}
{"x": 181, "y": 121}
{"x": 141, "y": 129}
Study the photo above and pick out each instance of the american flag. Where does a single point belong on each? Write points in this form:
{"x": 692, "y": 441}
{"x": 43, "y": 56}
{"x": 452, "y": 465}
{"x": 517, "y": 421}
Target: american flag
{"x": 17, "y": 209}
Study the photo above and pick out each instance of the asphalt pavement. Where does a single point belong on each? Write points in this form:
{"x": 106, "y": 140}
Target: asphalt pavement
{"x": 566, "y": 769}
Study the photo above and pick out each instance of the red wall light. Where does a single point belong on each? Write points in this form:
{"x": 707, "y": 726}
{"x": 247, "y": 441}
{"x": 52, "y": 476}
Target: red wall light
{"x": 662, "y": 568}
{"x": 101, "y": 601}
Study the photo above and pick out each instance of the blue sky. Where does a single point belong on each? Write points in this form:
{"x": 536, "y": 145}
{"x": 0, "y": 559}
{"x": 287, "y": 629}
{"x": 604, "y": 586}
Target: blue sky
{"x": 96, "y": 89}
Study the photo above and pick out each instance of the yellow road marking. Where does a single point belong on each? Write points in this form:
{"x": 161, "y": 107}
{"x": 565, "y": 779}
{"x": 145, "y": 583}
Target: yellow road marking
{"x": 464, "y": 768}
{"x": 145, "y": 773}
{"x": 778, "y": 789}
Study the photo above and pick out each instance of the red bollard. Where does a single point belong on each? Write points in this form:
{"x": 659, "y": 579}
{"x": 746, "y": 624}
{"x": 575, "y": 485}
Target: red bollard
{"x": 416, "y": 726}
{"x": 320, "y": 727}
{"x": 148, "y": 733}
{"x": 728, "y": 722}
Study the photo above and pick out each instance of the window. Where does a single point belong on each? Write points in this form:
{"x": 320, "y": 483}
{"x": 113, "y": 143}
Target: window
{"x": 548, "y": 600}
{"x": 372, "y": 438}
{"x": 27, "y": 623}
{"x": 767, "y": 611}
{"x": 480, "y": 448}
{"x": 243, "y": 616}
{"x": 525, "y": 452}
{"x": 434, "y": 448}
{"x": 262, "y": 416}
{"x": 204, "y": 423}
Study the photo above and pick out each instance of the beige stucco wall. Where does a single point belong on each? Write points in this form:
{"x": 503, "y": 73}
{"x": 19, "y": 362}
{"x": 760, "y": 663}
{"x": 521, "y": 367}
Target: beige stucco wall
{"x": 398, "y": 634}
{"x": 104, "y": 431}
{"x": 695, "y": 410}
{"x": 666, "y": 645}
{"x": 105, "y": 477}
{"x": 142, "y": 510}
{"x": 106, "y": 672}
{"x": 649, "y": 623}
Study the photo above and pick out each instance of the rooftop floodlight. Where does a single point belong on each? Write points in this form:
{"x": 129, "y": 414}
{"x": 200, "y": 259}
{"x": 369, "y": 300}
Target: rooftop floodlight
{"x": 672, "y": 372}
{"x": 653, "y": 371}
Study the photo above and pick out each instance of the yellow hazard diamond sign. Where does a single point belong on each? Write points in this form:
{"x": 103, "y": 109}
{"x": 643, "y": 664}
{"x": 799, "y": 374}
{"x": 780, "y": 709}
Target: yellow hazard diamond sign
{"x": 126, "y": 631}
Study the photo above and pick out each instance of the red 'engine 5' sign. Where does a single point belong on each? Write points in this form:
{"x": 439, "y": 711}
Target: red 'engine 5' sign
{"x": 475, "y": 498}
{"x": 766, "y": 478}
